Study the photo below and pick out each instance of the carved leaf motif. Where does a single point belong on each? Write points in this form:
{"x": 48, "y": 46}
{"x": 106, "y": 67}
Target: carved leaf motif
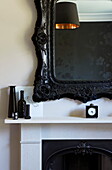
{"x": 40, "y": 39}
{"x": 83, "y": 149}
{"x": 44, "y": 4}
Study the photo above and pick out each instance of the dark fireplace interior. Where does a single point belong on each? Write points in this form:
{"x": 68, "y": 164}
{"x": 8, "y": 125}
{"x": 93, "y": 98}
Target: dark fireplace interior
{"x": 77, "y": 155}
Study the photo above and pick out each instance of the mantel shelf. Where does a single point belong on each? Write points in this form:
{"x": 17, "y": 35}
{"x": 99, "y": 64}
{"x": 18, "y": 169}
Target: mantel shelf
{"x": 59, "y": 120}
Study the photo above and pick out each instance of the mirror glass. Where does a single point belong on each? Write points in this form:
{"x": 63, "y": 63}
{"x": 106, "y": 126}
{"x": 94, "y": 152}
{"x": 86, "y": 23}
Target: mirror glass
{"x": 85, "y": 53}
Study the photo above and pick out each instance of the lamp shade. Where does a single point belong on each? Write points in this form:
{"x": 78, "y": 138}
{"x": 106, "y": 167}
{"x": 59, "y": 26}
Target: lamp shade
{"x": 66, "y": 16}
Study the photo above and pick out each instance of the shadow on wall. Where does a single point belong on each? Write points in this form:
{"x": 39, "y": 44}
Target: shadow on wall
{"x": 74, "y": 108}
{"x": 13, "y": 144}
{"x": 28, "y": 36}
{"x": 3, "y": 103}
{"x": 104, "y": 108}
{"x": 26, "y": 56}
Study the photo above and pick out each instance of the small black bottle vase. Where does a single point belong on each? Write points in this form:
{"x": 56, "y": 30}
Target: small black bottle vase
{"x": 12, "y": 102}
{"x": 27, "y": 115}
{"x": 21, "y": 105}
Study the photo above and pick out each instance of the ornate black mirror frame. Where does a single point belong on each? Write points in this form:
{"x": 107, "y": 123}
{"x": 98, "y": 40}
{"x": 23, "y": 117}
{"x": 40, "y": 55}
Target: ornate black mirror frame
{"x": 46, "y": 87}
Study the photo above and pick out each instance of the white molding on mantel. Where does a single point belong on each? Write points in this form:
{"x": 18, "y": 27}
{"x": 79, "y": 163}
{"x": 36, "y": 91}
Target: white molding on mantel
{"x": 63, "y": 120}
{"x": 32, "y": 136}
{"x": 30, "y": 142}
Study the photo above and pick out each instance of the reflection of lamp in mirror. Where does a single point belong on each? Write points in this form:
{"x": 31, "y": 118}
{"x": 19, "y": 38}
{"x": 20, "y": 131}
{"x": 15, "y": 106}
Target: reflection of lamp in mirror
{"x": 66, "y": 16}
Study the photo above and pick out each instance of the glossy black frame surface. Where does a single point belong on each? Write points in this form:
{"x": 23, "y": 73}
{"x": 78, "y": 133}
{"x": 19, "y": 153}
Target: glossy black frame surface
{"x": 46, "y": 87}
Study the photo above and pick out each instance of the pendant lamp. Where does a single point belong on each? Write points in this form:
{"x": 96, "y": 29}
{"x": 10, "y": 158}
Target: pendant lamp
{"x": 66, "y": 16}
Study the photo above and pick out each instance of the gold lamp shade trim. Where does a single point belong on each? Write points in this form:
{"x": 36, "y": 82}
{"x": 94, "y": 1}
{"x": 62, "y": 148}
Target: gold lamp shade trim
{"x": 66, "y": 26}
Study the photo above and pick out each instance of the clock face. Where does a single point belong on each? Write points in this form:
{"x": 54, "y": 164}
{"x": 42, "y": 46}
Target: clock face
{"x": 91, "y": 111}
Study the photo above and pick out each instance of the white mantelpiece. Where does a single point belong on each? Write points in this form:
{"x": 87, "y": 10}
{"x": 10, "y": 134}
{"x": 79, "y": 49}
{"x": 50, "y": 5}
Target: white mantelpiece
{"x": 58, "y": 120}
{"x": 35, "y": 130}
{"x": 33, "y": 134}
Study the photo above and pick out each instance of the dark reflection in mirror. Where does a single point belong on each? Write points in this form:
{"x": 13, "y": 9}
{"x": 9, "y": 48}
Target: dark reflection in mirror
{"x": 84, "y": 53}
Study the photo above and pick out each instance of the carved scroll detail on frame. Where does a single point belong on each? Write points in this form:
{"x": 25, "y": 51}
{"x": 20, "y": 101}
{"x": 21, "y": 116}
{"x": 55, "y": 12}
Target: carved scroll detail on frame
{"x": 46, "y": 87}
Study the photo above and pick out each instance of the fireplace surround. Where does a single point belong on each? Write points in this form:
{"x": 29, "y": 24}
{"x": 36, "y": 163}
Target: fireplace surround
{"x": 34, "y": 132}
{"x": 52, "y": 121}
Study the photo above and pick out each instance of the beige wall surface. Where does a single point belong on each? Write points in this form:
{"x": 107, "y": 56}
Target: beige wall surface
{"x": 17, "y": 67}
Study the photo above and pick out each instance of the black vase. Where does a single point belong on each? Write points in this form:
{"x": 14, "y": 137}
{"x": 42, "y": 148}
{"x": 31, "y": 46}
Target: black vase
{"x": 12, "y": 102}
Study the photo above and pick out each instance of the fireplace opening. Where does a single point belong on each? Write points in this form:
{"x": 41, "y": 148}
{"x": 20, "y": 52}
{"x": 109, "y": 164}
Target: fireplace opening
{"x": 77, "y": 155}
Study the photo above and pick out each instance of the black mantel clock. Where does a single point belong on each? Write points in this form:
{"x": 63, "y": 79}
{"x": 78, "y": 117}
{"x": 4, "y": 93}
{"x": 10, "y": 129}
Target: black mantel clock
{"x": 80, "y": 68}
{"x": 92, "y": 111}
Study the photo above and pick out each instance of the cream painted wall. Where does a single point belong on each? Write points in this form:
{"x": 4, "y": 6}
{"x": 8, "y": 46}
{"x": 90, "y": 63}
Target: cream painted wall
{"x": 17, "y": 67}
{"x": 17, "y": 58}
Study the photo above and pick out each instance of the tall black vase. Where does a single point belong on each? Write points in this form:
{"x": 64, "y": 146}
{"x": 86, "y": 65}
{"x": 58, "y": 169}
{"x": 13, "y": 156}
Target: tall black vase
{"x": 12, "y": 102}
